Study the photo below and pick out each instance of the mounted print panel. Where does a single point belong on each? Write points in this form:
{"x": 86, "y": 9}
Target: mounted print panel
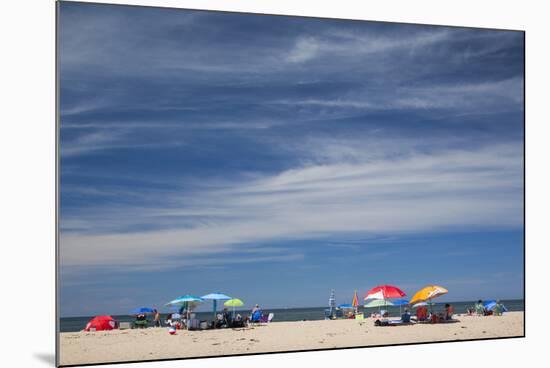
{"x": 234, "y": 183}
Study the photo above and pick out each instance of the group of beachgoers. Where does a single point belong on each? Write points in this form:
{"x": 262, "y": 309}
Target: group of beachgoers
{"x": 186, "y": 319}
{"x": 480, "y": 309}
{"x": 425, "y": 314}
{"x": 422, "y": 315}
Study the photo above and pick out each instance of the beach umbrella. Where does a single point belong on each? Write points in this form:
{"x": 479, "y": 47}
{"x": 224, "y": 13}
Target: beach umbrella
{"x": 142, "y": 310}
{"x": 185, "y": 302}
{"x": 377, "y": 303}
{"x": 355, "y": 302}
{"x": 428, "y": 293}
{"x": 234, "y": 303}
{"x": 215, "y": 297}
{"x": 385, "y": 292}
{"x": 185, "y": 299}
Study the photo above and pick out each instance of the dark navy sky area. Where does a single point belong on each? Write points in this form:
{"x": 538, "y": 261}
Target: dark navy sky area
{"x": 275, "y": 158}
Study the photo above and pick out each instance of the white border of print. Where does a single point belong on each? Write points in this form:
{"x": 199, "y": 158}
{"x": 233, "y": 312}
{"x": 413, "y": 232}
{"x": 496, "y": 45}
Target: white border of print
{"x": 28, "y": 182}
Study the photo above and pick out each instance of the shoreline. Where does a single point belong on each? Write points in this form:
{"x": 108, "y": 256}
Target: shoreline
{"x": 157, "y": 343}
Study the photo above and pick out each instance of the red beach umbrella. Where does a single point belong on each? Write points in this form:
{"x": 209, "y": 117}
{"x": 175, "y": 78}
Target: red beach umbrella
{"x": 384, "y": 292}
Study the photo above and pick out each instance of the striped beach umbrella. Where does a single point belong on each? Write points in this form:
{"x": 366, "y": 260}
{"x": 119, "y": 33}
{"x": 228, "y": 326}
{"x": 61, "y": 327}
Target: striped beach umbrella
{"x": 385, "y": 292}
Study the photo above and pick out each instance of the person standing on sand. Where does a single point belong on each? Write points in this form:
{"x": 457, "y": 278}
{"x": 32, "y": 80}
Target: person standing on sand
{"x": 156, "y": 319}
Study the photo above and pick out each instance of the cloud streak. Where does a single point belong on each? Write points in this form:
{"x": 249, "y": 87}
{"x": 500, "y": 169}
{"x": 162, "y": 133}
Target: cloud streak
{"x": 416, "y": 193}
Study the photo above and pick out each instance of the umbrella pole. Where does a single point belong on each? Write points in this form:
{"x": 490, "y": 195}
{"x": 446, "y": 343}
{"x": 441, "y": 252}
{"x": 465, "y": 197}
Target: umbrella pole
{"x": 215, "y": 309}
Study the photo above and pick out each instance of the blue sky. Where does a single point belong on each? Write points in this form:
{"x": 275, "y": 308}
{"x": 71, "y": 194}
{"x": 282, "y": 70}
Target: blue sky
{"x": 274, "y": 158}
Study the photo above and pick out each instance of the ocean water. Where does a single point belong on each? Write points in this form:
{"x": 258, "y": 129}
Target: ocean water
{"x": 74, "y": 324}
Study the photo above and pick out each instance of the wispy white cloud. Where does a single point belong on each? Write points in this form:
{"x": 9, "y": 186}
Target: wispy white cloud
{"x": 460, "y": 97}
{"x": 105, "y": 140}
{"x": 355, "y": 44}
{"x": 413, "y": 193}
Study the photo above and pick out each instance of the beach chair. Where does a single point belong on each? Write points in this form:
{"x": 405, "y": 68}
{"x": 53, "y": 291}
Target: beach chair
{"x": 266, "y": 318}
{"x": 141, "y": 324}
{"x": 360, "y": 317}
{"x": 125, "y": 326}
{"x": 421, "y": 314}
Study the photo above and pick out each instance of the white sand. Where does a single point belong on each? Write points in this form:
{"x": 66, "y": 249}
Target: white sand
{"x": 157, "y": 343}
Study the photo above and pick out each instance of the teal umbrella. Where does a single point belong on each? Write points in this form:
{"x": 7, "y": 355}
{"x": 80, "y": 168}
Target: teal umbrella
{"x": 185, "y": 302}
{"x": 215, "y": 297}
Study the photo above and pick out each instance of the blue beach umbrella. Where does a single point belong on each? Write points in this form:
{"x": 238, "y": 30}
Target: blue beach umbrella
{"x": 184, "y": 302}
{"x": 215, "y": 297}
{"x": 142, "y": 310}
{"x": 185, "y": 299}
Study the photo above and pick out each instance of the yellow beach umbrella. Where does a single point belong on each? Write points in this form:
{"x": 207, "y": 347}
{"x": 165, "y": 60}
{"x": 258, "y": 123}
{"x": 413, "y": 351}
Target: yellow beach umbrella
{"x": 234, "y": 303}
{"x": 428, "y": 293}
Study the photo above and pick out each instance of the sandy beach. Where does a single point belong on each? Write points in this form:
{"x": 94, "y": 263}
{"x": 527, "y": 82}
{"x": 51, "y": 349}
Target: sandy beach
{"x": 156, "y": 343}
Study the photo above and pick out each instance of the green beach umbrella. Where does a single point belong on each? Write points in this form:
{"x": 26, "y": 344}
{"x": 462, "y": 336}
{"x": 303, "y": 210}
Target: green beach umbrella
{"x": 234, "y": 303}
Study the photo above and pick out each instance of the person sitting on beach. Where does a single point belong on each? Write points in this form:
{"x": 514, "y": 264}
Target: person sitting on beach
{"x": 499, "y": 309}
{"x": 168, "y": 319}
{"x": 237, "y": 322}
{"x": 406, "y": 316}
{"x": 218, "y": 322}
{"x": 449, "y": 310}
{"x": 256, "y": 308}
{"x": 141, "y": 321}
{"x": 479, "y": 308}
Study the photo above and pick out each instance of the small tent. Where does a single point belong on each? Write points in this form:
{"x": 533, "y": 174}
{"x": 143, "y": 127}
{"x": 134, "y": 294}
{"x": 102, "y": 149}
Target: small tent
{"x": 101, "y": 323}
